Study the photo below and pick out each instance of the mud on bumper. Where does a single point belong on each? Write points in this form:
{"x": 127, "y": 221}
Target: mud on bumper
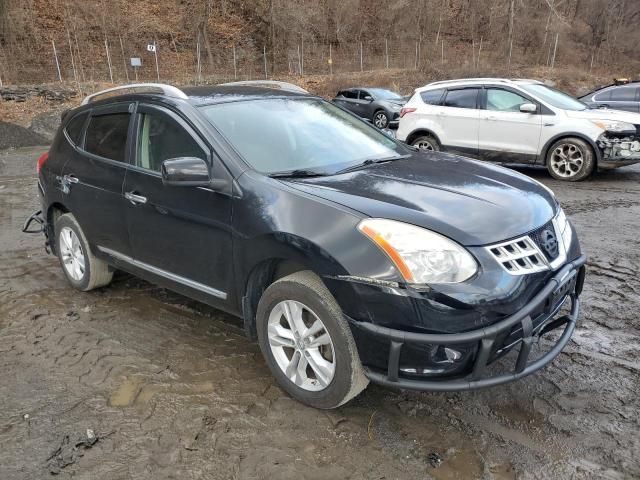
{"x": 489, "y": 341}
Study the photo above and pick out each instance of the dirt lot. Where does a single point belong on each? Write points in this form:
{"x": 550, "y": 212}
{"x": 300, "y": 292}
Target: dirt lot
{"x": 172, "y": 389}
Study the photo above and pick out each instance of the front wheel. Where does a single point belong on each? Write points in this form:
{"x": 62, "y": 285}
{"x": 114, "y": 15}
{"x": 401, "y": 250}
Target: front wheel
{"x": 570, "y": 159}
{"x": 307, "y": 343}
{"x": 380, "y": 119}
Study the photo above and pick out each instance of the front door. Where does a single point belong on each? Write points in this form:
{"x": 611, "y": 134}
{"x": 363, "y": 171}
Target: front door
{"x": 460, "y": 119}
{"x": 178, "y": 233}
{"x": 506, "y": 133}
{"x": 92, "y": 179}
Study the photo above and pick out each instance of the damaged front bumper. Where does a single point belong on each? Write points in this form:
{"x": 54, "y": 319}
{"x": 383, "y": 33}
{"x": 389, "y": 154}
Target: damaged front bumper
{"x": 618, "y": 151}
{"x": 475, "y": 350}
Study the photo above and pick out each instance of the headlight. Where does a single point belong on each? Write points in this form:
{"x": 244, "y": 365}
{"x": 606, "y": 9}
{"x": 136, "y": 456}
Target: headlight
{"x": 615, "y": 126}
{"x": 565, "y": 229}
{"x": 421, "y": 256}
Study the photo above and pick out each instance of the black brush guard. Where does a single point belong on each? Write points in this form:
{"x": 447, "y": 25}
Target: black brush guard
{"x": 567, "y": 282}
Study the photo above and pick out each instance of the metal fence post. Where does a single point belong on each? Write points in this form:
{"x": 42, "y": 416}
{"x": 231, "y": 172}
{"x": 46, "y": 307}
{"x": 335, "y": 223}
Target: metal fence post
{"x": 386, "y": 52}
{"x": 124, "y": 58}
{"x": 155, "y": 53}
{"x": 264, "y": 54}
{"x": 235, "y": 68}
{"x": 361, "y": 65}
{"x": 55, "y": 54}
{"x": 106, "y": 46}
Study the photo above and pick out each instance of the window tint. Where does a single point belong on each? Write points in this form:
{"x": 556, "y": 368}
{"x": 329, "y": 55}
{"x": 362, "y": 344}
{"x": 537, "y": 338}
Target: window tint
{"x": 465, "y": 98}
{"x": 107, "y": 136}
{"x": 75, "y": 128}
{"x": 351, "y": 94}
{"x": 504, "y": 100}
{"x": 623, "y": 94}
{"x": 604, "y": 96}
{"x": 161, "y": 138}
{"x": 432, "y": 97}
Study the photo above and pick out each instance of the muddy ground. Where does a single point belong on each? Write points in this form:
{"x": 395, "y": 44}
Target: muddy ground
{"x": 172, "y": 389}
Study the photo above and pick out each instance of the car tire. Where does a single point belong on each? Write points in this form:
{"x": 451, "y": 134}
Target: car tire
{"x": 83, "y": 270}
{"x": 302, "y": 296}
{"x": 426, "y": 142}
{"x": 380, "y": 119}
{"x": 570, "y": 159}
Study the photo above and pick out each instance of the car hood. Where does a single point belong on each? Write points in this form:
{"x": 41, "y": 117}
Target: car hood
{"x": 469, "y": 201}
{"x": 606, "y": 114}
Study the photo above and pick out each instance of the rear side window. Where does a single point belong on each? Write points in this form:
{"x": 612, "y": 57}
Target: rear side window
{"x": 623, "y": 94}
{"x": 465, "y": 98}
{"x": 432, "y": 97}
{"x": 74, "y": 128}
{"x": 107, "y": 136}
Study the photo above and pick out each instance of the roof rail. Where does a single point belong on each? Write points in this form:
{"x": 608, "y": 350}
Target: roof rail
{"x": 269, "y": 84}
{"x": 168, "y": 90}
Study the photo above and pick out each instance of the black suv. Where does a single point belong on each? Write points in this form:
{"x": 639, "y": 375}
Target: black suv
{"x": 349, "y": 256}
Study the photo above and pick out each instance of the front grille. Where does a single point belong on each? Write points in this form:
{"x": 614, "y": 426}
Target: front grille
{"x": 520, "y": 256}
{"x": 546, "y": 240}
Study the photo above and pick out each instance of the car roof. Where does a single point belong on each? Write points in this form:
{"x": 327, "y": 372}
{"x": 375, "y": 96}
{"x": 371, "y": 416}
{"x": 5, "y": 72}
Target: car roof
{"x": 201, "y": 95}
{"x": 474, "y": 81}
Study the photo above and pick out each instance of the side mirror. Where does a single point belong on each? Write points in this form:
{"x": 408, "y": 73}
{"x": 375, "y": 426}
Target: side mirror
{"x": 185, "y": 172}
{"x": 368, "y": 98}
{"x": 528, "y": 108}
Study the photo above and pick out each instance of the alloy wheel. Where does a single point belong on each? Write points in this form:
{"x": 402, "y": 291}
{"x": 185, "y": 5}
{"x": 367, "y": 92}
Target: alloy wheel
{"x": 424, "y": 145}
{"x": 567, "y": 160}
{"x": 380, "y": 120}
{"x": 301, "y": 345}
{"x": 72, "y": 254}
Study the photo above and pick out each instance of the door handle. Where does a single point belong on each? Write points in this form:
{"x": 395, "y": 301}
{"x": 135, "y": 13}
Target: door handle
{"x": 135, "y": 199}
{"x": 492, "y": 118}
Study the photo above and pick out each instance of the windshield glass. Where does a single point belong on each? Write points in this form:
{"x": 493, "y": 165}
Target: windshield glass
{"x": 554, "y": 97}
{"x": 382, "y": 94}
{"x": 282, "y": 135}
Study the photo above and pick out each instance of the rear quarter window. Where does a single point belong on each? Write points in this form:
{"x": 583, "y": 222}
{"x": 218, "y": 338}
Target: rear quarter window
{"x": 75, "y": 128}
{"x": 107, "y": 136}
{"x": 432, "y": 97}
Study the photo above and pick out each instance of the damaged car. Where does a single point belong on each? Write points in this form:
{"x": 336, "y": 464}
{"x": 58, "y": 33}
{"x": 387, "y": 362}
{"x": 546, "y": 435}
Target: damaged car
{"x": 349, "y": 256}
{"x": 520, "y": 122}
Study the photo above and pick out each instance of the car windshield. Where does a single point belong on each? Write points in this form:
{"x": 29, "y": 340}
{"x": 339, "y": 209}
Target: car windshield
{"x": 554, "y": 97}
{"x": 283, "y": 135}
{"x": 382, "y": 94}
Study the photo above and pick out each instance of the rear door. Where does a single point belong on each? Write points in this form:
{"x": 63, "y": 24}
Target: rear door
{"x": 624, "y": 98}
{"x": 348, "y": 99}
{"x": 506, "y": 134}
{"x": 180, "y": 234}
{"x": 460, "y": 120}
{"x": 93, "y": 178}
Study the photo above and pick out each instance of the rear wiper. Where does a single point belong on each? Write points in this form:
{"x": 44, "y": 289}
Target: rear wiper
{"x": 369, "y": 161}
{"x": 297, "y": 174}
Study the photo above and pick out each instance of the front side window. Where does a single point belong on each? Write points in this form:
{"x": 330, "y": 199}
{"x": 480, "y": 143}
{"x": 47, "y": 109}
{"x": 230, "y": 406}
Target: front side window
{"x": 75, "y": 127}
{"x": 281, "y": 135}
{"x": 107, "y": 136}
{"x": 161, "y": 138}
{"x": 604, "y": 96}
{"x": 350, "y": 94}
{"x": 465, "y": 98}
{"x": 623, "y": 94}
{"x": 504, "y": 101}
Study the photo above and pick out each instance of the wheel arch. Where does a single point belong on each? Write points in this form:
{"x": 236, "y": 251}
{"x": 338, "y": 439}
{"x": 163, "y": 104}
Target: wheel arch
{"x": 545, "y": 149}
{"x": 419, "y": 132}
{"x": 55, "y": 210}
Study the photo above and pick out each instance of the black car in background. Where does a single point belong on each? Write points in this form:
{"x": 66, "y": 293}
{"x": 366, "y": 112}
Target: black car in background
{"x": 619, "y": 96}
{"x": 351, "y": 257}
{"x": 378, "y": 105}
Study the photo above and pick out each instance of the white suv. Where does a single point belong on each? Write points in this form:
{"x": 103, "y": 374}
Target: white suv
{"x": 520, "y": 121}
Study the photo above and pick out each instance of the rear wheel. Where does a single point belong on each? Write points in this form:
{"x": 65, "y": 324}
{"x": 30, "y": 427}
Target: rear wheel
{"x": 307, "y": 343}
{"x": 83, "y": 270}
{"x": 426, "y": 142}
{"x": 570, "y": 159}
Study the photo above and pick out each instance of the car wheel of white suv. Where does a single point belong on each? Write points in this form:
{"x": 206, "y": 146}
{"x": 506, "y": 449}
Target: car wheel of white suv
{"x": 426, "y": 142}
{"x": 570, "y": 159}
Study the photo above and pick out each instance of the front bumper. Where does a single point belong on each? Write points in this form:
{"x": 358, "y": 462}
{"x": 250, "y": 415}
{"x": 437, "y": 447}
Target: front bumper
{"x": 484, "y": 345}
{"x": 618, "y": 151}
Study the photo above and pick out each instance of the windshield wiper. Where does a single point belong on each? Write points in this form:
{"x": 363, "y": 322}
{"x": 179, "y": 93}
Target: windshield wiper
{"x": 299, "y": 173}
{"x": 370, "y": 161}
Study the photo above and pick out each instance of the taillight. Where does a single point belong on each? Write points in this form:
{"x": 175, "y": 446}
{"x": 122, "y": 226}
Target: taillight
{"x": 43, "y": 158}
{"x": 406, "y": 110}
